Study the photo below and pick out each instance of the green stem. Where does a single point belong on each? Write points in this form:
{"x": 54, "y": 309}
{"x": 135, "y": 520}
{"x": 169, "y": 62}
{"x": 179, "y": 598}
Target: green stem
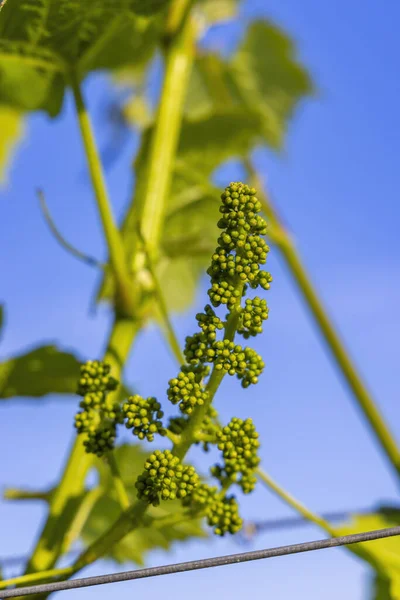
{"x": 188, "y": 436}
{"x": 165, "y": 136}
{"x": 360, "y": 392}
{"x": 124, "y": 295}
{"x": 63, "y": 503}
{"x": 15, "y": 494}
{"x": 119, "y": 486}
{"x": 80, "y": 517}
{"x": 295, "y": 504}
{"x": 35, "y": 577}
{"x": 170, "y": 332}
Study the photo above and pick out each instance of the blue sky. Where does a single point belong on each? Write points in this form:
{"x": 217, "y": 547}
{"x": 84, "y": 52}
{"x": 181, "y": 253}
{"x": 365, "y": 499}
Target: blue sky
{"x": 336, "y": 186}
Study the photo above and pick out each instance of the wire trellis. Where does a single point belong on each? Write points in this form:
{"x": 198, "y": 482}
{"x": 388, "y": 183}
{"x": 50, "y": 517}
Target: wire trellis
{"x": 206, "y": 563}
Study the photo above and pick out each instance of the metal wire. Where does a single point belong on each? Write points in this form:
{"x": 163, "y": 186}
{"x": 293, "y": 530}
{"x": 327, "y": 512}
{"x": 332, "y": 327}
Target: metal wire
{"x": 194, "y": 565}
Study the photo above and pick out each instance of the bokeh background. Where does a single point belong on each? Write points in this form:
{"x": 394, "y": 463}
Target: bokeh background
{"x": 336, "y": 186}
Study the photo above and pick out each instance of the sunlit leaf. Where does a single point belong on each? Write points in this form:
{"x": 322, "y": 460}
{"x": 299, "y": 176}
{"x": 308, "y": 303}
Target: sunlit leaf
{"x": 264, "y": 78}
{"x": 135, "y": 546}
{"x": 41, "y": 40}
{"x": 386, "y": 588}
{"x": 383, "y": 554}
{"x": 11, "y": 128}
{"x": 44, "y": 370}
{"x": 216, "y": 11}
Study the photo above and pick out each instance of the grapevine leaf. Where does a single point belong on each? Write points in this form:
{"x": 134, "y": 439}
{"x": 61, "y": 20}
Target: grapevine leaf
{"x": 215, "y": 11}
{"x": 134, "y": 547}
{"x": 262, "y": 78}
{"x": 386, "y": 587}
{"x": 41, "y": 40}
{"x": 268, "y": 79}
{"x": 41, "y": 371}
{"x": 383, "y": 554}
{"x": 11, "y": 127}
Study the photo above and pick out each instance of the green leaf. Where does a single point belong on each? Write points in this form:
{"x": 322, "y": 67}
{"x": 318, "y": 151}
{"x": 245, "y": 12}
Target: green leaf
{"x": 134, "y": 546}
{"x": 386, "y": 588}
{"x": 44, "y": 370}
{"x": 41, "y": 40}
{"x": 11, "y": 127}
{"x": 268, "y": 78}
{"x": 263, "y": 78}
{"x": 215, "y": 11}
{"x": 384, "y": 554}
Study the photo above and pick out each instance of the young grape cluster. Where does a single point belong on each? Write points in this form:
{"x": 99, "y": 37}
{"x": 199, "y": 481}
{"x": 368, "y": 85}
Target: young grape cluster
{"x": 100, "y": 413}
{"x": 210, "y": 353}
{"x": 166, "y": 478}
{"x": 143, "y": 416}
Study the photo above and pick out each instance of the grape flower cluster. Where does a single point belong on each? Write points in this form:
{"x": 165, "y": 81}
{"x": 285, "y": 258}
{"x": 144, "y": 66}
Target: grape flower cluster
{"x": 210, "y": 353}
{"x": 165, "y": 477}
{"x": 100, "y": 413}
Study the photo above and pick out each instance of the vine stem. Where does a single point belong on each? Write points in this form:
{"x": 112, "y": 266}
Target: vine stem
{"x": 295, "y": 504}
{"x": 119, "y": 486}
{"x": 35, "y": 577}
{"x": 180, "y": 51}
{"x": 124, "y": 286}
{"x": 349, "y": 372}
{"x": 188, "y": 436}
{"x": 16, "y": 494}
{"x": 170, "y": 332}
{"x": 80, "y": 517}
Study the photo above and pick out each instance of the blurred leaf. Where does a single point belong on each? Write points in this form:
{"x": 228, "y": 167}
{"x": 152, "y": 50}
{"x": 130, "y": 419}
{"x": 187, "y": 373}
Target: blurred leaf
{"x": 216, "y": 11}
{"x": 134, "y": 546}
{"x": 268, "y": 78}
{"x": 263, "y": 78}
{"x": 44, "y": 370}
{"x": 386, "y": 588}
{"x": 138, "y": 112}
{"x": 40, "y": 40}
{"x": 11, "y": 128}
{"x": 384, "y": 554}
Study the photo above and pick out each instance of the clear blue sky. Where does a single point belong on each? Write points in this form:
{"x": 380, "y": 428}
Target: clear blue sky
{"x": 337, "y": 186}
